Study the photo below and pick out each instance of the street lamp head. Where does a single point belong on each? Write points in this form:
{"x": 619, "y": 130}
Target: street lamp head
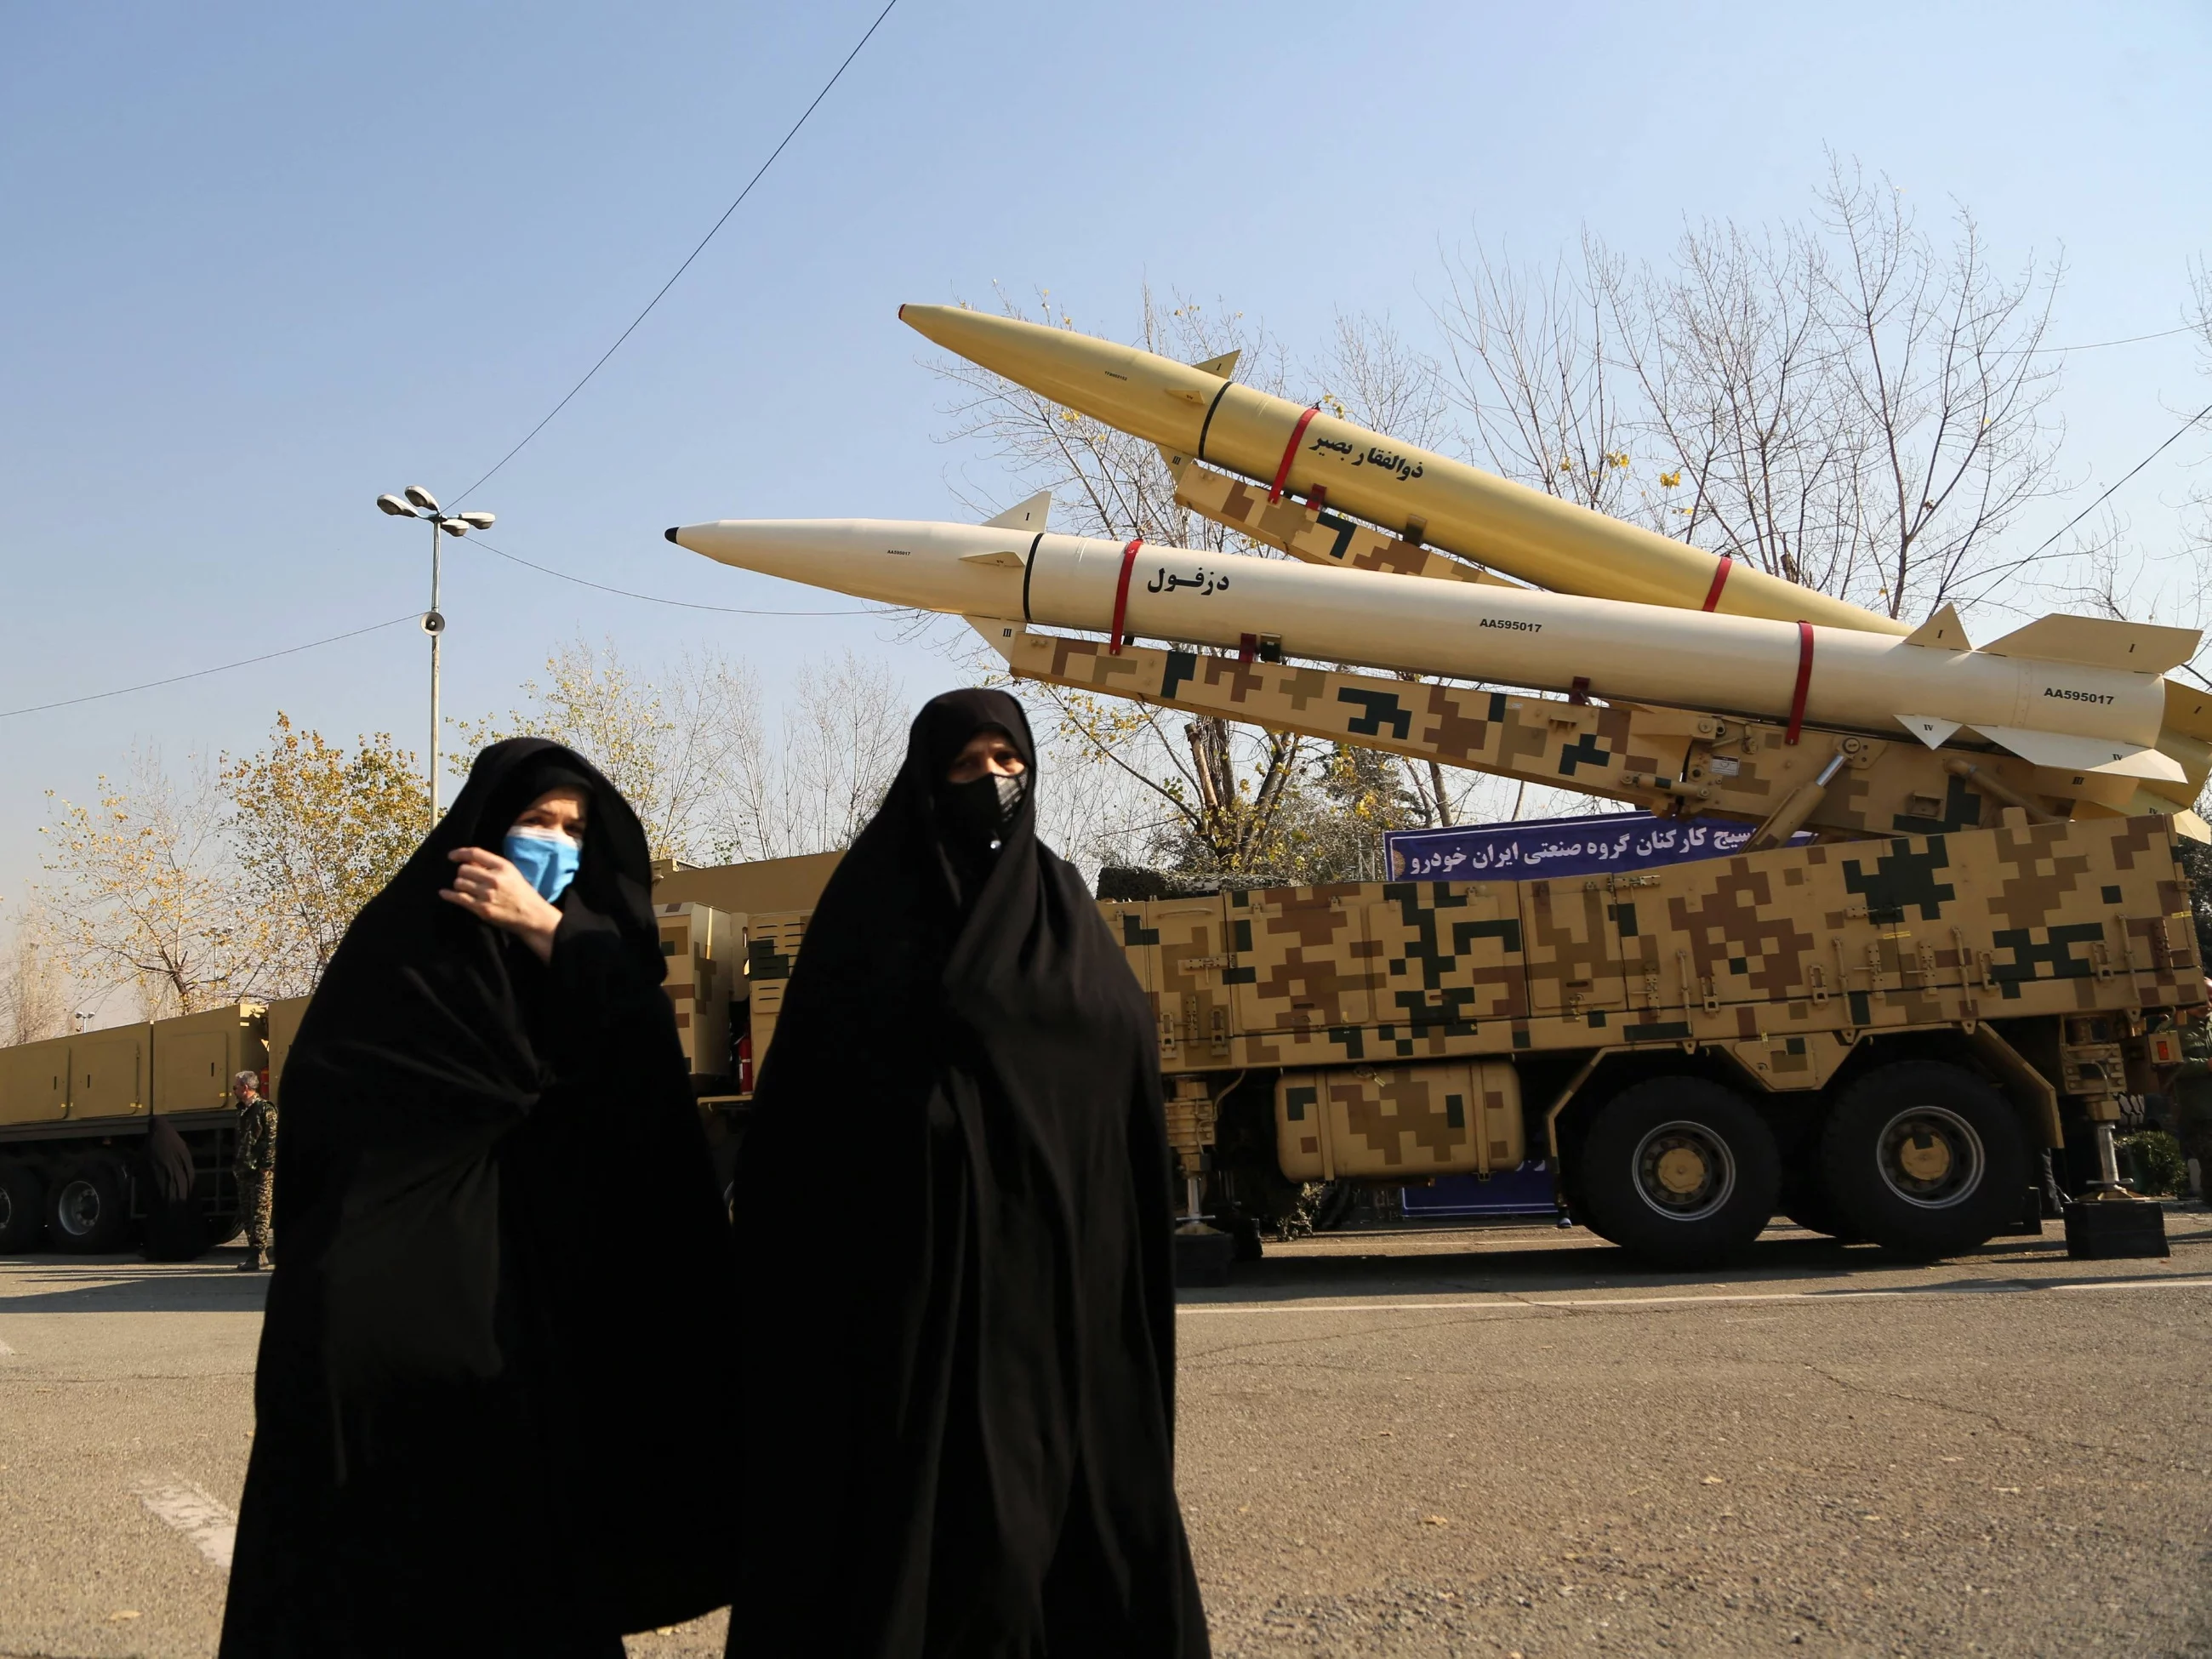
{"x": 478, "y": 520}
{"x": 394, "y": 505}
{"x": 421, "y": 498}
{"x": 454, "y": 527}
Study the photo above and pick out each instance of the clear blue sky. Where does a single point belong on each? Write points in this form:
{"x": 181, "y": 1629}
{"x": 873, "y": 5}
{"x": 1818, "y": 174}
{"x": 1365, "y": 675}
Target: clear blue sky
{"x": 264, "y": 261}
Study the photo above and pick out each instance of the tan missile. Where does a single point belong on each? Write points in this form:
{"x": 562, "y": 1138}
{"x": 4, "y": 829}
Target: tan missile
{"x": 2069, "y": 692}
{"x": 1431, "y": 498}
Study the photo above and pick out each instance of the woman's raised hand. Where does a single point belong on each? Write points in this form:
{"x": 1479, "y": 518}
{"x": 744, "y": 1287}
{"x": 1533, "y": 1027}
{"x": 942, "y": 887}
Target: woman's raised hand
{"x": 492, "y": 890}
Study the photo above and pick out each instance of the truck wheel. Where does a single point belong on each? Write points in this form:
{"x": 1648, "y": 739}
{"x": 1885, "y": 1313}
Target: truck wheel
{"x": 86, "y": 1209}
{"x": 1681, "y": 1170}
{"x": 1925, "y": 1158}
{"x": 22, "y": 1208}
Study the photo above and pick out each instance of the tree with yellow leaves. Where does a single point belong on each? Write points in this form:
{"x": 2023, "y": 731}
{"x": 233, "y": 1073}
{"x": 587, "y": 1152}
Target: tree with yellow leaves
{"x": 318, "y": 830}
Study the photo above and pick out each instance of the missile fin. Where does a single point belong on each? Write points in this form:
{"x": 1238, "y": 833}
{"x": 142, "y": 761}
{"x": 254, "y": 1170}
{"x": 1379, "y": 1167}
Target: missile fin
{"x": 1006, "y": 559}
{"x": 1927, "y": 728}
{"x": 2189, "y": 711}
{"x": 2187, "y": 823}
{"x": 2078, "y": 754}
{"x": 1223, "y": 367}
{"x": 2099, "y": 642}
{"x": 1028, "y": 516}
{"x": 997, "y": 633}
{"x": 1942, "y": 631}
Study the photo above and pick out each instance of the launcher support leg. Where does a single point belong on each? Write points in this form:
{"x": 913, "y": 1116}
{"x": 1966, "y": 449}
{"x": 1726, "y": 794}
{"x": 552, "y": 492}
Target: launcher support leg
{"x": 2107, "y": 1183}
{"x": 1193, "y": 1190}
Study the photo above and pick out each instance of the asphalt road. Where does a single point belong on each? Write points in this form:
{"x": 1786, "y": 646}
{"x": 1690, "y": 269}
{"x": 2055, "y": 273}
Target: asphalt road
{"x": 1480, "y": 1442}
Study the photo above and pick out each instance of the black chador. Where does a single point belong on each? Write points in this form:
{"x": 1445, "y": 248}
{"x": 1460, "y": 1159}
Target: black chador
{"x": 487, "y": 1402}
{"x": 953, "y": 1244}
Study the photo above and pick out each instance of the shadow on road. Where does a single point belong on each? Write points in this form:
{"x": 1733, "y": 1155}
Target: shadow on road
{"x": 125, "y": 1284}
{"x": 1520, "y": 1261}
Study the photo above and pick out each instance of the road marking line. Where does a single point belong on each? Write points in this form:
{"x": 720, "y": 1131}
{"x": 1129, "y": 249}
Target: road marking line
{"x": 2009, "y": 1287}
{"x": 204, "y": 1519}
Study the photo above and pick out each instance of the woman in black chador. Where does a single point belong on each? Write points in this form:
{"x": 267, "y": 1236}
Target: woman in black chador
{"x": 953, "y": 1241}
{"x": 501, "y": 1311}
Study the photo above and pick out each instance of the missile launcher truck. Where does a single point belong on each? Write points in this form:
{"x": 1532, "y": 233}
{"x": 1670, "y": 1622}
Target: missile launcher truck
{"x": 1986, "y": 956}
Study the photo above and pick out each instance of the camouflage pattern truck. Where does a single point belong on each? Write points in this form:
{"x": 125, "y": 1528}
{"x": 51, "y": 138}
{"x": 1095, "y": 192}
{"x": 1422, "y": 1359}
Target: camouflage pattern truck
{"x": 1880, "y": 1039}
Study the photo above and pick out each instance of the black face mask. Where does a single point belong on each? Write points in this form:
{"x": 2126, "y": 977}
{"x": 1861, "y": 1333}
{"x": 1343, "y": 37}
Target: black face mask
{"x": 976, "y": 814}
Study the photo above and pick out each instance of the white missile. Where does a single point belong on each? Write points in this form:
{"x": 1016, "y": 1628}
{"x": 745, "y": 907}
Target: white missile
{"x": 2075, "y": 692}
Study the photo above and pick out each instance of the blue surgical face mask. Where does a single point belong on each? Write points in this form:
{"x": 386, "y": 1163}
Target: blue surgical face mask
{"x": 547, "y": 858}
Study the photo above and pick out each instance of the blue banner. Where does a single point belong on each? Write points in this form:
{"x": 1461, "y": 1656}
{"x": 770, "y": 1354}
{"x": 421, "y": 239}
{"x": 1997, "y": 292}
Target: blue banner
{"x": 1525, "y": 1191}
{"x": 1539, "y": 847}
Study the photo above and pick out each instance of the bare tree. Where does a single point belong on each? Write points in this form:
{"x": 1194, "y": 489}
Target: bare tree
{"x": 671, "y": 744}
{"x": 1842, "y": 402}
{"x": 149, "y": 896}
{"x": 1535, "y": 368}
{"x": 1374, "y": 377}
{"x": 843, "y": 739}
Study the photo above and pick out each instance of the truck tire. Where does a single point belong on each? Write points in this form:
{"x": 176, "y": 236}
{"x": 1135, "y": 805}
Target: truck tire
{"x": 22, "y": 1208}
{"x": 1679, "y": 1171}
{"x": 1925, "y": 1159}
{"x": 89, "y": 1206}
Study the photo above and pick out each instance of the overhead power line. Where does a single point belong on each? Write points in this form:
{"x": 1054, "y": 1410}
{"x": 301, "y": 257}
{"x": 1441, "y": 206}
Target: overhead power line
{"x": 2172, "y": 439}
{"x": 2099, "y": 345}
{"x": 417, "y": 616}
{"x": 688, "y": 259}
{"x": 220, "y": 668}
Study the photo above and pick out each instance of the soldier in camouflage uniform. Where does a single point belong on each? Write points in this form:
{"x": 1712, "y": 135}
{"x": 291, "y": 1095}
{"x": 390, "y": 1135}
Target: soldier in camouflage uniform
{"x": 256, "y": 1166}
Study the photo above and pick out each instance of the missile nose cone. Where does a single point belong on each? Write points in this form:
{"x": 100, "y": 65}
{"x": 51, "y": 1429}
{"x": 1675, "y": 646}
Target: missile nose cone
{"x": 1148, "y": 397}
{"x": 671, "y": 533}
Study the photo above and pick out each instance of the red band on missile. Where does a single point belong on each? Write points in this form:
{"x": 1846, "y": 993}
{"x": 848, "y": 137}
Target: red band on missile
{"x": 1804, "y": 682}
{"x": 1290, "y": 454}
{"x": 1122, "y": 596}
{"x": 1720, "y": 581}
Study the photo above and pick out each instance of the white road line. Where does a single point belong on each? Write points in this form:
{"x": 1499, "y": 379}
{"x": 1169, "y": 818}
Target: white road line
{"x": 1516, "y": 1304}
{"x": 203, "y": 1519}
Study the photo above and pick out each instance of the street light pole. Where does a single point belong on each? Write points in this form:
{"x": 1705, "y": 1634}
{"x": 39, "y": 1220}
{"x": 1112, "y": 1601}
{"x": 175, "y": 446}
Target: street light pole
{"x": 435, "y": 623}
{"x": 419, "y": 503}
